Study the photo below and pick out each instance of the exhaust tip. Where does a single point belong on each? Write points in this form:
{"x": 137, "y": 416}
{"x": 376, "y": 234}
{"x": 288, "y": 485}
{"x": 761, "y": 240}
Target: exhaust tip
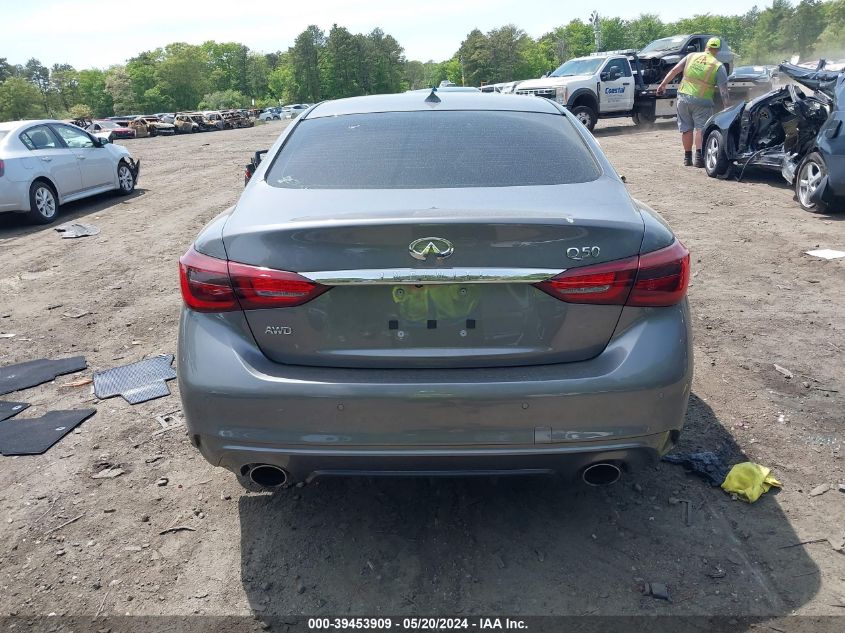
{"x": 268, "y": 476}
{"x": 602, "y": 474}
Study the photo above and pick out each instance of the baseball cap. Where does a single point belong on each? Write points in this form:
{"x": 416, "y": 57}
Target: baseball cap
{"x": 714, "y": 42}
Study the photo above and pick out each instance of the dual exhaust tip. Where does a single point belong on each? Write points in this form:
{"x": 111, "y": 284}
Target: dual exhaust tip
{"x": 272, "y": 477}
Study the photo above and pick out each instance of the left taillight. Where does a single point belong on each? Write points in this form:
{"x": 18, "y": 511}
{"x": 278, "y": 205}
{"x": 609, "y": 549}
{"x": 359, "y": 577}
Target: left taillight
{"x": 2, "y": 167}
{"x": 216, "y": 285}
{"x": 205, "y": 283}
{"x": 655, "y": 279}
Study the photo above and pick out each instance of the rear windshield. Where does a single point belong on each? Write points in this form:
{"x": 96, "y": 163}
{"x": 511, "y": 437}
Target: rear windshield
{"x": 433, "y": 150}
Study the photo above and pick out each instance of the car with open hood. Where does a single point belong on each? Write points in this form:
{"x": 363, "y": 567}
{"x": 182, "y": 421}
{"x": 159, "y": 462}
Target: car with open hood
{"x": 786, "y": 130}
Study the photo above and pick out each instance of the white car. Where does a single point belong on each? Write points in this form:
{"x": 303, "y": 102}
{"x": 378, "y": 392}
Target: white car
{"x": 294, "y": 110}
{"x": 270, "y": 114}
{"x": 44, "y": 164}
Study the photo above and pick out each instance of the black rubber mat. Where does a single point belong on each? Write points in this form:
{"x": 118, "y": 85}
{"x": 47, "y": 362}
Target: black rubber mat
{"x": 136, "y": 382}
{"x": 34, "y": 372}
{"x": 11, "y": 409}
{"x": 34, "y": 436}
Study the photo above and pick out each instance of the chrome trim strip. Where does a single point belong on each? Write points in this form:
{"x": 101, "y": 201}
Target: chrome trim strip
{"x": 388, "y": 276}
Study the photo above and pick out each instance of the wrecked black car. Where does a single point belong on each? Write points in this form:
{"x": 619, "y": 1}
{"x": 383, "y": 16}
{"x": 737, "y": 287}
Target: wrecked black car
{"x": 785, "y": 130}
{"x": 660, "y": 56}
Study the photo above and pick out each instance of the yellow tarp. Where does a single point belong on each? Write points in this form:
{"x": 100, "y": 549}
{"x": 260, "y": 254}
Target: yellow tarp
{"x": 749, "y": 480}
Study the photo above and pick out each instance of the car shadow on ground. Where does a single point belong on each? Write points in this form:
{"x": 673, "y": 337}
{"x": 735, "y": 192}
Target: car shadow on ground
{"x": 525, "y": 545}
{"x": 627, "y": 129}
{"x": 16, "y": 225}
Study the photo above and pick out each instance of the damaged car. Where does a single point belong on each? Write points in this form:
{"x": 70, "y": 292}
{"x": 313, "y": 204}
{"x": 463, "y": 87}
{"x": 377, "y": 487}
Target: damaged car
{"x": 46, "y": 163}
{"x": 151, "y": 126}
{"x": 660, "y": 56}
{"x": 787, "y": 131}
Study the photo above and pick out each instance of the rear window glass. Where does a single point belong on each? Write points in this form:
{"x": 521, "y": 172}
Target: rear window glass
{"x": 432, "y": 150}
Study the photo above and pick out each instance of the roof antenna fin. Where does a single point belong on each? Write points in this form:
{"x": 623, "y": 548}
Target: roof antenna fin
{"x": 432, "y": 98}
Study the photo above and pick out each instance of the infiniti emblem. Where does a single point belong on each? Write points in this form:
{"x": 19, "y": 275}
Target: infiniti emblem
{"x": 426, "y": 246}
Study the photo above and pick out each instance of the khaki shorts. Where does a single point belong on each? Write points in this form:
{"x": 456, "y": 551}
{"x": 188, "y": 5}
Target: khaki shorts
{"x": 691, "y": 116}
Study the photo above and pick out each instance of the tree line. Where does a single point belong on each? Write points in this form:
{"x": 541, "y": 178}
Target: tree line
{"x": 328, "y": 65}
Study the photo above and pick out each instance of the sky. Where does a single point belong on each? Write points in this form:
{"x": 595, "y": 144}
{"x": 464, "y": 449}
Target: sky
{"x": 91, "y": 33}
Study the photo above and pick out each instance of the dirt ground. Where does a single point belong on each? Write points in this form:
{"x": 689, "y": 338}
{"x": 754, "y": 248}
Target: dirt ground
{"x": 526, "y": 546}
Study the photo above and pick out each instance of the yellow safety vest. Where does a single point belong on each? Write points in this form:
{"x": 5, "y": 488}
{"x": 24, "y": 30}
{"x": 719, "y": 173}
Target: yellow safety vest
{"x": 700, "y": 76}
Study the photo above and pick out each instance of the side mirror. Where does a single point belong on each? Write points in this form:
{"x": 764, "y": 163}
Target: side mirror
{"x": 102, "y": 141}
{"x": 605, "y": 76}
{"x": 692, "y": 48}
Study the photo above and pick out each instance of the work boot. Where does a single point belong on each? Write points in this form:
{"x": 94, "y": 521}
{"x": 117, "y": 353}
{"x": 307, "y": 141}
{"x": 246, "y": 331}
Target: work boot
{"x": 699, "y": 160}
{"x": 687, "y": 159}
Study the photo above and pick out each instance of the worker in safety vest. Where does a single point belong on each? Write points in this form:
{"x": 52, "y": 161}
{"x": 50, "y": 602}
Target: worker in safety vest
{"x": 703, "y": 73}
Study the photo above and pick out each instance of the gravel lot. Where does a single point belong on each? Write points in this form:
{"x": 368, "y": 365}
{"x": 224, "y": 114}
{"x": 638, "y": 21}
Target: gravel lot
{"x": 528, "y": 546}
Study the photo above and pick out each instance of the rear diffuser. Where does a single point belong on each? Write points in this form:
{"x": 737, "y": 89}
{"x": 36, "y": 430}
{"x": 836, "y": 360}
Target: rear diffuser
{"x": 35, "y": 372}
{"x": 11, "y": 409}
{"x": 136, "y": 382}
{"x": 34, "y": 436}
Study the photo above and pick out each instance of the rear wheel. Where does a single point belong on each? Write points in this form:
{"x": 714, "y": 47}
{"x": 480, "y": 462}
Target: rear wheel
{"x": 125, "y": 179}
{"x": 643, "y": 119}
{"x": 43, "y": 203}
{"x": 716, "y": 162}
{"x": 586, "y": 115}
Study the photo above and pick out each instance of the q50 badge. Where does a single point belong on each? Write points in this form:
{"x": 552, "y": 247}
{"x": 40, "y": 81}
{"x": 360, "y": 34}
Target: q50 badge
{"x": 585, "y": 252}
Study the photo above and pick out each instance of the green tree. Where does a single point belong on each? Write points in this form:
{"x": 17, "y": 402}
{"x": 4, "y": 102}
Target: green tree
{"x": 91, "y": 90}
{"x": 802, "y": 29}
{"x": 64, "y": 83}
{"x": 180, "y": 78}
{"x": 81, "y": 111}
{"x": 305, "y": 63}
{"x": 644, "y": 29}
{"x": 614, "y": 34}
{"x": 20, "y": 99}
{"x": 39, "y": 76}
{"x": 118, "y": 84}
{"x": 224, "y": 100}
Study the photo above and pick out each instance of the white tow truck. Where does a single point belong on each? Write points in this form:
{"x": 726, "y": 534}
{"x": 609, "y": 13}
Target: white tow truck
{"x": 604, "y": 85}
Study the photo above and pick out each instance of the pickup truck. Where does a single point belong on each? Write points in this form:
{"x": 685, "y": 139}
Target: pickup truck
{"x": 614, "y": 84}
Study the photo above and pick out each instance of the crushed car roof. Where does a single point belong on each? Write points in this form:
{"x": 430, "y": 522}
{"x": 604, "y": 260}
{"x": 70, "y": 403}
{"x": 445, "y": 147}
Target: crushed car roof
{"x": 416, "y": 101}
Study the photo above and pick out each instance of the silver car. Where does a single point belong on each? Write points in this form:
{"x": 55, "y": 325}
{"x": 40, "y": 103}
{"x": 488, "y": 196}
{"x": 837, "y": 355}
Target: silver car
{"x": 44, "y": 164}
{"x": 392, "y": 294}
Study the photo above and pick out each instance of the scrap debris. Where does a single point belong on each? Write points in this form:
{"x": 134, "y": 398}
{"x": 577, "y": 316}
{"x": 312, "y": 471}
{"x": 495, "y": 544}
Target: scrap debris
{"x": 707, "y": 464}
{"x": 748, "y": 481}
{"x": 826, "y": 253}
{"x": 783, "y": 371}
{"x": 657, "y": 590}
{"x": 76, "y": 229}
{"x": 136, "y": 382}
{"x": 35, "y": 372}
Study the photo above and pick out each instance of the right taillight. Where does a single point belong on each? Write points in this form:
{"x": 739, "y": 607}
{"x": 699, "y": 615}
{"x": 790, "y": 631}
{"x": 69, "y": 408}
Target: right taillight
{"x": 216, "y": 285}
{"x": 655, "y": 279}
{"x": 2, "y": 167}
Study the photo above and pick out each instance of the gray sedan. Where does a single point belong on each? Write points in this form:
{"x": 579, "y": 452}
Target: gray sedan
{"x": 394, "y": 295}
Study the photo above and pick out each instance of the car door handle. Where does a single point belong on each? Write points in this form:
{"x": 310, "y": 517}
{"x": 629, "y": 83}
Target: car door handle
{"x": 80, "y": 158}
{"x": 46, "y": 159}
{"x": 626, "y": 83}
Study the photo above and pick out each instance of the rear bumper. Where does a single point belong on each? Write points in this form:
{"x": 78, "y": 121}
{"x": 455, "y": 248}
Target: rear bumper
{"x": 14, "y": 196}
{"x": 625, "y": 405}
